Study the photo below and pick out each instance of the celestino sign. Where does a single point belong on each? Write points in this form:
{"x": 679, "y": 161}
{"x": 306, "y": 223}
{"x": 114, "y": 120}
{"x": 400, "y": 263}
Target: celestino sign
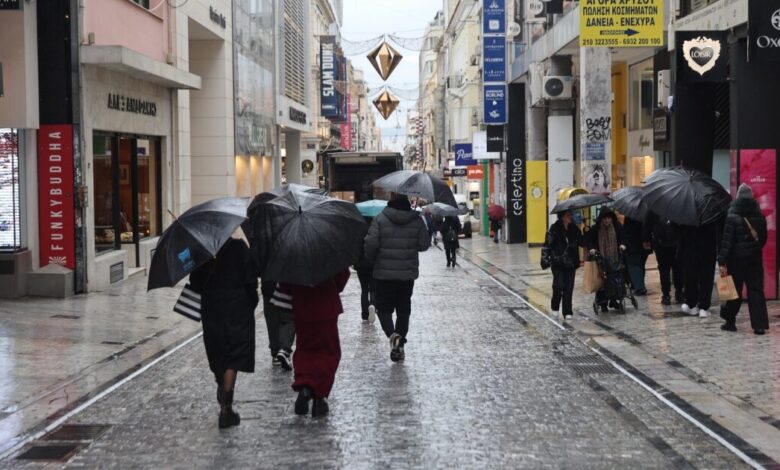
{"x": 764, "y": 30}
{"x": 702, "y": 56}
{"x": 55, "y": 195}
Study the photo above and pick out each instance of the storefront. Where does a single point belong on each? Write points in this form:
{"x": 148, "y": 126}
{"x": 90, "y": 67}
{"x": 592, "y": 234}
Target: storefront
{"x": 641, "y": 156}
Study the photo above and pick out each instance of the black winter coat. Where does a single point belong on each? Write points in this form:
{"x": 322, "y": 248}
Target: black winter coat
{"x": 632, "y": 233}
{"x": 450, "y": 222}
{"x": 394, "y": 240}
{"x": 562, "y": 246}
{"x": 738, "y": 243}
{"x": 661, "y": 233}
{"x": 592, "y": 239}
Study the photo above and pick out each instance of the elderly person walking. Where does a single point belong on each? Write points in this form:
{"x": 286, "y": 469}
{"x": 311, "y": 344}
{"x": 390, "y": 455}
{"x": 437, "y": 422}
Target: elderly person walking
{"x": 606, "y": 239}
{"x": 392, "y": 245}
{"x": 744, "y": 237}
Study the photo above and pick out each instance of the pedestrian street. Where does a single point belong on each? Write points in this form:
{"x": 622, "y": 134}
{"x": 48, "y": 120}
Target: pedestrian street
{"x": 488, "y": 382}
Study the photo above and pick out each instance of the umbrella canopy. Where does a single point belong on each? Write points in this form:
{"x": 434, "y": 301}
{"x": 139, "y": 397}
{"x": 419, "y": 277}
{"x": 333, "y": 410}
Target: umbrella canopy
{"x": 193, "y": 239}
{"x": 371, "y": 208}
{"x": 417, "y": 184}
{"x": 685, "y": 196}
{"x": 580, "y": 201}
{"x": 272, "y": 194}
{"x": 630, "y": 202}
{"x": 496, "y": 212}
{"x": 303, "y": 238}
{"x": 444, "y": 210}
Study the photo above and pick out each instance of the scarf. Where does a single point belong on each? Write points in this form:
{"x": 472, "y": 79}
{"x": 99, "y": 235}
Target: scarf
{"x": 608, "y": 243}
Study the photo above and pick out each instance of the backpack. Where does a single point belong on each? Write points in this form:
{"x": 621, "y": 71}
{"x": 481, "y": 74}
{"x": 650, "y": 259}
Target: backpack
{"x": 451, "y": 236}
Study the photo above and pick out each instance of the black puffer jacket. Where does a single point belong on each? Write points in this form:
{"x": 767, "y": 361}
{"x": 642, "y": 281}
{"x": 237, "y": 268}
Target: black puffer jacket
{"x": 562, "y": 246}
{"x": 738, "y": 243}
{"x": 394, "y": 240}
{"x": 662, "y": 233}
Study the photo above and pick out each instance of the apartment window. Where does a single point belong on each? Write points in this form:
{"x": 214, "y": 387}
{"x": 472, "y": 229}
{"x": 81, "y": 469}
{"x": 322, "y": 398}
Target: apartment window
{"x": 10, "y": 205}
{"x": 143, "y": 3}
{"x": 694, "y": 5}
{"x": 127, "y": 190}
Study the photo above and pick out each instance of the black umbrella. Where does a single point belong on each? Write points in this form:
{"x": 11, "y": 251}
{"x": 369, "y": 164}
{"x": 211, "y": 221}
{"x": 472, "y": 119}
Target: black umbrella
{"x": 193, "y": 239}
{"x": 630, "y": 202}
{"x": 685, "y": 196}
{"x": 580, "y": 201}
{"x": 304, "y": 238}
{"x": 417, "y": 184}
{"x": 272, "y": 194}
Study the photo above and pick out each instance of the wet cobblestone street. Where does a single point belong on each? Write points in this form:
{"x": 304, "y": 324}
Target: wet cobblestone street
{"x": 487, "y": 382}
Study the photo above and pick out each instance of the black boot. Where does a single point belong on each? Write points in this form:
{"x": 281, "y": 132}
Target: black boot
{"x": 729, "y": 326}
{"x": 228, "y": 417}
{"x": 319, "y": 408}
{"x": 302, "y": 403}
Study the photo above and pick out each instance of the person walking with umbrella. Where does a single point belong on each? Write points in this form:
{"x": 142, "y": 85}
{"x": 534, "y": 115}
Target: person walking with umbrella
{"x": 450, "y": 229}
{"x": 228, "y": 288}
{"x": 744, "y": 237}
{"x": 561, "y": 252}
{"x": 365, "y": 272}
{"x": 661, "y": 235}
{"x": 700, "y": 248}
{"x": 496, "y": 215}
{"x": 393, "y": 243}
{"x": 606, "y": 239}
{"x": 636, "y": 254}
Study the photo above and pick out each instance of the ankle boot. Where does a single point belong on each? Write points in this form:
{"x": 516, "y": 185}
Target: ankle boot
{"x": 319, "y": 408}
{"x": 302, "y": 402}
{"x": 228, "y": 417}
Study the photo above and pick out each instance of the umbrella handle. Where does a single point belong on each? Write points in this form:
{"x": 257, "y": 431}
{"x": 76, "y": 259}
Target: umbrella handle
{"x": 172, "y": 214}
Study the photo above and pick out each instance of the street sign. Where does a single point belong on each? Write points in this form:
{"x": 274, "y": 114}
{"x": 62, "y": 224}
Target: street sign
{"x": 621, "y": 23}
{"x": 493, "y": 16}
{"x": 494, "y": 59}
{"x": 494, "y": 98}
{"x": 464, "y": 155}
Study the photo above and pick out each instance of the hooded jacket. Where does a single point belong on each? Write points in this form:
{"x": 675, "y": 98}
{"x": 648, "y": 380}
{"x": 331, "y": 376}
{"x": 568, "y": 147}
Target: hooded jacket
{"x": 395, "y": 238}
{"x": 738, "y": 243}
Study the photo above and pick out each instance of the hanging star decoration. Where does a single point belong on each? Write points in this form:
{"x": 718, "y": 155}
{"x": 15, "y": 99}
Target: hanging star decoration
{"x": 384, "y": 59}
{"x": 386, "y": 104}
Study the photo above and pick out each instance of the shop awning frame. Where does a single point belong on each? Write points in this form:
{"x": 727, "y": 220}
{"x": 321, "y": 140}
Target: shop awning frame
{"x": 135, "y": 64}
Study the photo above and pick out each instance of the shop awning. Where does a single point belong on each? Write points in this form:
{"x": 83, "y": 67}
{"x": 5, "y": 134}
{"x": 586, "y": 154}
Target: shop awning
{"x": 135, "y": 64}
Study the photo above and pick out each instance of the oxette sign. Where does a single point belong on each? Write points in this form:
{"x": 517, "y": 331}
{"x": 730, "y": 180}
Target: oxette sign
{"x": 764, "y": 29}
{"x": 55, "y": 195}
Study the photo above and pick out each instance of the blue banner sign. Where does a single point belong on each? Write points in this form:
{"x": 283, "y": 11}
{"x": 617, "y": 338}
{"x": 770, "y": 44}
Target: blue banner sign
{"x": 493, "y": 16}
{"x": 464, "y": 155}
{"x": 495, "y": 103}
{"x": 329, "y": 73}
{"x": 494, "y": 58}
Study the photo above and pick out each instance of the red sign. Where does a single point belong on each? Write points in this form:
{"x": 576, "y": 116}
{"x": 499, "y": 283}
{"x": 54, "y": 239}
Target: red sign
{"x": 346, "y": 128}
{"x": 55, "y": 195}
{"x": 757, "y": 168}
{"x": 475, "y": 172}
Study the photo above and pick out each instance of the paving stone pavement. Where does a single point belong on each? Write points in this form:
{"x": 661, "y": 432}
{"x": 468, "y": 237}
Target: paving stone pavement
{"x": 741, "y": 367}
{"x": 487, "y": 383}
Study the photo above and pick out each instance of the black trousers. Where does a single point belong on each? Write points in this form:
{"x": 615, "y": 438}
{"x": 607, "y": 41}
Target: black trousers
{"x": 750, "y": 273}
{"x": 281, "y": 329}
{"x": 671, "y": 270}
{"x": 699, "y": 279}
{"x": 452, "y": 254}
{"x": 563, "y": 289}
{"x": 367, "y": 297}
{"x": 394, "y": 296}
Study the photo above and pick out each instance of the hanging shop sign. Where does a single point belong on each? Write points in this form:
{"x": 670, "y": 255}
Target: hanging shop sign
{"x": 10, "y": 4}
{"x": 702, "y": 56}
{"x": 516, "y": 198}
{"x": 55, "y": 195}
{"x": 328, "y": 76}
{"x": 495, "y": 139}
{"x": 464, "y": 155}
{"x": 479, "y": 147}
{"x": 621, "y": 23}
{"x": 764, "y": 30}
{"x": 494, "y": 16}
{"x": 475, "y": 172}
{"x": 494, "y": 59}
{"x": 494, "y": 97}
{"x": 660, "y": 126}
{"x": 454, "y": 172}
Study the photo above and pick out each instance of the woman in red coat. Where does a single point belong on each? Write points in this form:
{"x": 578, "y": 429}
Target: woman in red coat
{"x": 316, "y": 313}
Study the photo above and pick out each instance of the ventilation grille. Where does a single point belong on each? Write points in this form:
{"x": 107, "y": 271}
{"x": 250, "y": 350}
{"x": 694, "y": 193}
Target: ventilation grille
{"x": 294, "y": 50}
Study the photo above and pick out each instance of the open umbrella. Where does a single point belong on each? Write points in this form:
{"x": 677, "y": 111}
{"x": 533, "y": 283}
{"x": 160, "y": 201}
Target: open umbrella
{"x": 304, "y": 238}
{"x": 630, "y": 202}
{"x": 272, "y": 194}
{"x": 496, "y": 212}
{"x": 444, "y": 210}
{"x": 685, "y": 196}
{"x": 417, "y": 184}
{"x": 371, "y": 208}
{"x": 580, "y": 201}
{"x": 193, "y": 239}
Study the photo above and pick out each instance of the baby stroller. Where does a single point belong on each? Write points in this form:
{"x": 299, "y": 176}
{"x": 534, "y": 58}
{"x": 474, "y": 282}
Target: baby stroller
{"x": 617, "y": 285}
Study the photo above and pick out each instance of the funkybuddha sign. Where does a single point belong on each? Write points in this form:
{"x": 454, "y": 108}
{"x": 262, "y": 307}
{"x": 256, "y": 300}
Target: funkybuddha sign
{"x": 621, "y": 23}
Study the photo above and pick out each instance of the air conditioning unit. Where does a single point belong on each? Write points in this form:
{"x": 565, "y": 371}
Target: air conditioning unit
{"x": 557, "y": 88}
